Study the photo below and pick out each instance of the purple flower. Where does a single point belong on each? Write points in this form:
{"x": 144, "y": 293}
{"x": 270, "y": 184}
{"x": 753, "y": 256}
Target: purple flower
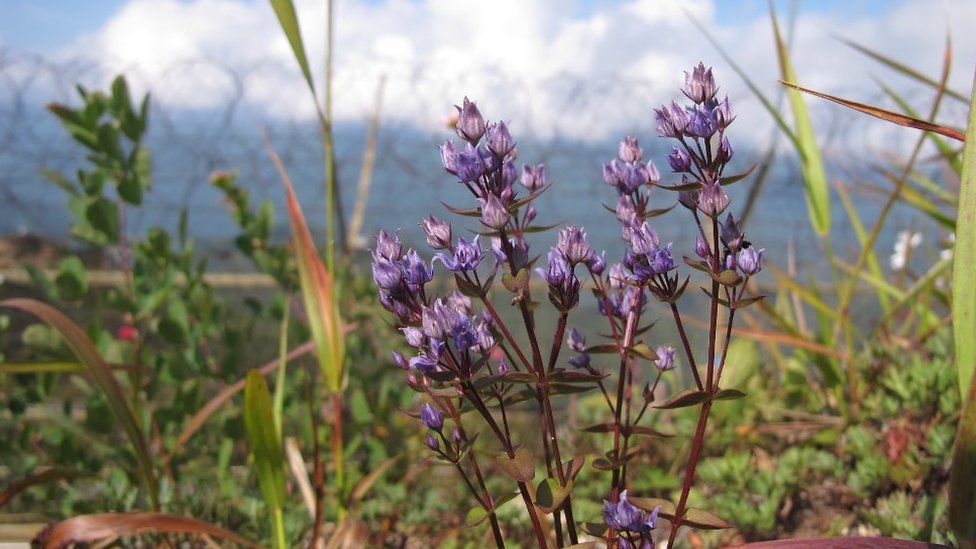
{"x": 712, "y": 200}
{"x": 629, "y": 150}
{"x": 724, "y": 153}
{"x": 750, "y": 260}
{"x": 723, "y": 114}
{"x": 572, "y": 243}
{"x": 432, "y": 442}
{"x": 581, "y": 361}
{"x": 431, "y": 417}
{"x": 530, "y": 214}
{"x": 596, "y": 264}
{"x": 499, "y": 140}
{"x": 701, "y": 248}
{"x": 671, "y": 120}
{"x": 449, "y": 157}
{"x": 415, "y": 272}
{"x": 459, "y": 302}
{"x": 386, "y": 273}
{"x": 400, "y": 361}
{"x": 466, "y": 256}
{"x": 456, "y": 435}
{"x": 700, "y": 84}
{"x": 732, "y": 233}
{"x": 653, "y": 176}
{"x": 414, "y": 336}
{"x": 679, "y": 160}
{"x": 484, "y": 341}
{"x": 702, "y": 123}
{"x": 534, "y": 177}
{"x": 665, "y": 358}
{"x": 388, "y": 247}
{"x": 661, "y": 260}
{"x": 509, "y": 175}
{"x": 470, "y": 164}
{"x": 425, "y": 362}
{"x": 576, "y": 341}
{"x": 625, "y": 516}
{"x": 559, "y": 269}
{"x": 502, "y": 367}
{"x": 644, "y": 239}
{"x": 438, "y": 232}
{"x": 493, "y": 213}
{"x": 470, "y": 124}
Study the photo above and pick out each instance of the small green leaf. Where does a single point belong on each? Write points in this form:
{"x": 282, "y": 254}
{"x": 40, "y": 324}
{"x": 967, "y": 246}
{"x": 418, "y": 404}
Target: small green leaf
{"x": 521, "y": 468}
{"x": 263, "y": 439}
{"x": 643, "y": 351}
{"x": 549, "y": 495}
{"x": 729, "y": 394}
{"x": 72, "y": 279}
{"x": 684, "y": 399}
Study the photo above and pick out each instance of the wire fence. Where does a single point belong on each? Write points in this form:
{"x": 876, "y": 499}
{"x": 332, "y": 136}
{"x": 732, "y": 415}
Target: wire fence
{"x": 225, "y": 108}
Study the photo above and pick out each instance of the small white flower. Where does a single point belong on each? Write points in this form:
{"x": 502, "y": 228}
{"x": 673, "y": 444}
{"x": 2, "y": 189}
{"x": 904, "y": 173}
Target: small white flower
{"x": 905, "y": 242}
{"x": 947, "y": 253}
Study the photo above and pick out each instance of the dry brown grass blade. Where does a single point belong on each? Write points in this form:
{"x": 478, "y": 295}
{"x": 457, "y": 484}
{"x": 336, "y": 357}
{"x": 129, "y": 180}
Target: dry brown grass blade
{"x": 885, "y": 114}
{"x": 42, "y": 477}
{"x": 92, "y": 528}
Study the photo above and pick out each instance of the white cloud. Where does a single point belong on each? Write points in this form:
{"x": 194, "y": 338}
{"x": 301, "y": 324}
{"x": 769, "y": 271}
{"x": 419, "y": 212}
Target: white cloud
{"x": 529, "y": 61}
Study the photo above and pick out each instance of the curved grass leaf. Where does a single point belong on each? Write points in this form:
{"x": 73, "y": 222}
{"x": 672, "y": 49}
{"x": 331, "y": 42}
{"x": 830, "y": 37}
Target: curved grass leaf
{"x": 288, "y": 20}
{"x": 814, "y": 178}
{"x": 87, "y": 529}
{"x": 266, "y": 447}
{"x": 102, "y": 377}
{"x": 962, "y": 478}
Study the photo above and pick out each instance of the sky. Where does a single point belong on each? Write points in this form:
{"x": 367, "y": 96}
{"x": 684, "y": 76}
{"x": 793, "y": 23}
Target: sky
{"x": 576, "y": 68}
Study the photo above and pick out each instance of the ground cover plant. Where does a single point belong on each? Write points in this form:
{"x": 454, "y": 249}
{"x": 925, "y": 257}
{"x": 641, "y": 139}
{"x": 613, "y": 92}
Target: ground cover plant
{"x": 668, "y": 398}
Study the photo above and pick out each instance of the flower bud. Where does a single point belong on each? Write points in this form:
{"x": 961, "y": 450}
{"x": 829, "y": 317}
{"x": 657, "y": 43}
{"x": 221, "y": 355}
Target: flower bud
{"x": 723, "y": 114}
{"x": 731, "y": 233}
{"x": 415, "y": 337}
{"x": 456, "y": 435}
{"x": 724, "y": 152}
{"x": 470, "y": 124}
{"x": 534, "y": 177}
{"x": 712, "y": 200}
{"x": 679, "y": 160}
{"x": 388, "y": 247}
{"x": 750, "y": 260}
{"x": 431, "y": 417}
{"x": 493, "y": 213}
{"x": 572, "y": 243}
{"x": 400, "y": 361}
{"x": 597, "y": 264}
{"x": 700, "y": 84}
{"x": 629, "y": 150}
{"x": 449, "y": 156}
{"x": 665, "y": 358}
{"x": 432, "y": 442}
{"x": 438, "y": 232}
{"x": 702, "y": 249}
{"x": 502, "y": 367}
{"x": 498, "y": 139}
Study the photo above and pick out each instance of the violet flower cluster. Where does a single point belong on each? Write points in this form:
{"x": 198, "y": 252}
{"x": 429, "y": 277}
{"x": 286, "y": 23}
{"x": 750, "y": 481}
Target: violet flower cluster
{"x": 466, "y": 357}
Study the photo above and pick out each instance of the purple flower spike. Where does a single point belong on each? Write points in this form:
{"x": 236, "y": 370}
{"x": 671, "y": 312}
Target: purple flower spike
{"x": 438, "y": 232}
{"x": 534, "y": 177}
{"x": 493, "y": 213}
{"x": 572, "y": 243}
{"x": 665, "y": 358}
{"x": 712, "y": 200}
{"x": 499, "y": 140}
{"x": 750, "y": 260}
{"x": 470, "y": 124}
{"x": 629, "y": 150}
{"x": 700, "y": 84}
{"x": 431, "y": 417}
{"x": 466, "y": 256}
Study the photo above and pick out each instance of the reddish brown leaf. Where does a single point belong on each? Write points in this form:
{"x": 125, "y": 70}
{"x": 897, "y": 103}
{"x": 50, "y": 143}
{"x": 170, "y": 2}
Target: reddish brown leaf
{"x": 92, "y": 528}
{"x": 42, "y": 477}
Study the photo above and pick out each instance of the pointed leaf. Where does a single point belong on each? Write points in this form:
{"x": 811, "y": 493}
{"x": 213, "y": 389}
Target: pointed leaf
{"x": 264, "y": 440}
{"x": 684, "y": 399}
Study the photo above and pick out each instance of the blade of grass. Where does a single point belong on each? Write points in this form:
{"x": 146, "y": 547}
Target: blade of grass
{"x": 861, "y": 234}
{"x": 264, "y": 442}
{"x": 884, "y": 114}
{"x": 964, "y": 265}
{"x": 279, "y": 394}
{"x": 902, "y": 68}
{"x": 814, "y": 178}
{"x": 102, "y": 377}
{"x": 288, "y": 20}
{"x": 945, "y": 149}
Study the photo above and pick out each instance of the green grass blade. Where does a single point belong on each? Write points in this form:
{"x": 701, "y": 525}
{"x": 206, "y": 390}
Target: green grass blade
{"x": 903, "y": 69}
{"x": 279, "y": 392}
{"x": 814, "y": 178}
{"x": 102, "y": 377}
{"x": 265, "y": 446}
{"x": 288, "y": 20}
{"x": 964, "y": 264}
{"x": 862, "y": 238}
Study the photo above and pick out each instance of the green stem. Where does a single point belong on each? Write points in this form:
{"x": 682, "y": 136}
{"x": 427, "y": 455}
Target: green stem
{"x": 278, "y": 521}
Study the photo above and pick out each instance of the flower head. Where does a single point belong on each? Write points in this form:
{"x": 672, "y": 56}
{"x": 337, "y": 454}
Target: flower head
{"x": 665, "y": 358}
{"x": 700, "y": 84}
{"x": 629, "y": 150}
{"x": 712, "y": 200}
{"x": 572, "y": 243}
{"x": 438, "y": 232}
{"x": 498, "y": 139}
{"x": 750, "y": 260}
{"x": 470, "y": 123}
{"x": 465, "y": 257}
{"x": 388, "y": 246}
{"x": 493, "y": 212}
{"x": 534, "y": 177}
{"x": 431, "y": 417}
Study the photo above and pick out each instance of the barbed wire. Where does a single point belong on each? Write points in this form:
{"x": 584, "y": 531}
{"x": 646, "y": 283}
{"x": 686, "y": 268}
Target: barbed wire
{"x": 189, "y": 143}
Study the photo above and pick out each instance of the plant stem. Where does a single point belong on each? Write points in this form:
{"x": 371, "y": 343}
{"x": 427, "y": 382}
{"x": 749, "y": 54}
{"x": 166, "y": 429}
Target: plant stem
{"x": 690, "y": 469}
{"x": 337, "y": 449}
{"x": 615, "y": 483}
{"x": 687, "y": 346}
{"x": 279, "y": 528}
